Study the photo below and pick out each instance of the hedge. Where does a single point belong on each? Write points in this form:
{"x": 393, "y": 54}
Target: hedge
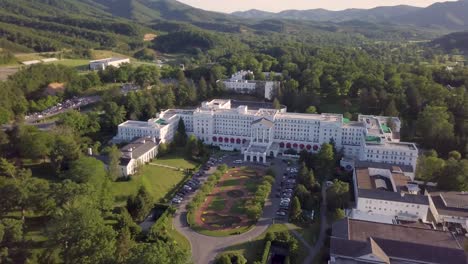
{"x": 266, "y": 252}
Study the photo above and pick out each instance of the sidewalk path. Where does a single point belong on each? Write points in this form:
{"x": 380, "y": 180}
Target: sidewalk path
{"x": 164, "y": 166}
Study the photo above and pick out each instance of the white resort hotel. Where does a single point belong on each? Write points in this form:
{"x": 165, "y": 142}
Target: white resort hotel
{"x": 259, "y": 131}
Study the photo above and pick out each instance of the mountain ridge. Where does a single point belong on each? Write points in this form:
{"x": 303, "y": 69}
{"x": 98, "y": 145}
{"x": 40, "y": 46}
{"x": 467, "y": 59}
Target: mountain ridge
{"x": 449, "y": 15}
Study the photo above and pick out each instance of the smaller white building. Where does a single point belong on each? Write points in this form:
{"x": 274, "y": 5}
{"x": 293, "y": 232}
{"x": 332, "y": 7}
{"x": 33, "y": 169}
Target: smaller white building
{"x": 239, "y": 84}
{"x": 137, "y": 153}
{"x": 96, "y": 65}
{"x": 389, "y": 192}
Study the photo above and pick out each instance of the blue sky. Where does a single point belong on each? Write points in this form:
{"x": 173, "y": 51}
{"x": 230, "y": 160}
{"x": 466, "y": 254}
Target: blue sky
{"x": 279, "y": 5}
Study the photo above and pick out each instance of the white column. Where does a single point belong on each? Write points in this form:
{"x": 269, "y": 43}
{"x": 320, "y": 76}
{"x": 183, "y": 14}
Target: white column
{"x": 264, "y": 158}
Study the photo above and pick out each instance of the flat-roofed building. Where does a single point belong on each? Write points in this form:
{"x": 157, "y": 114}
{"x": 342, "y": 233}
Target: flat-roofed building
{"x": 388, "y": 194}
{"x": 259, "y": 131}
{"x": 450, "y": 208}
{"x": 356, "y": 241}
{"x": 104, "y": 63}
{"x": 239, "y": 84}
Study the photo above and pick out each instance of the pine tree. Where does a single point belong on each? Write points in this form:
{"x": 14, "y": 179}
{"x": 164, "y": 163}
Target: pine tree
{"x": 296, "y": 209}
{"x": 391, "y": 109}
{"x": 202, "y": 89}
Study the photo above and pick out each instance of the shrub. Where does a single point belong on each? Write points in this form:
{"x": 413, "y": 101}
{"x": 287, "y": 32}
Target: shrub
{"x": 266, "y": 252}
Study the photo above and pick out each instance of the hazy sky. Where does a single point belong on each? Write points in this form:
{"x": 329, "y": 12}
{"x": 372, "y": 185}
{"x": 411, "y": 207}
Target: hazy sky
{"x": 278, "y": 5}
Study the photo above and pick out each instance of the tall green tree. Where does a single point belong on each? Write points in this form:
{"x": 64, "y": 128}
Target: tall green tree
{"x": 113, "y": 170}
{"x": 338, "y": 195}
{"x": 115, "y": 115}
{"x": 296, "y": 209}
{"x": 391, "y": 109}
{"x": 82, "y": 236}
{"x": 454, "y": 177}
{"x": 325, "y": 161}
{"x": 180, "y": 137}
{"x": 434, "y": 126}
{"x": 429, "y": 168}
{"x": 140, "y": 205}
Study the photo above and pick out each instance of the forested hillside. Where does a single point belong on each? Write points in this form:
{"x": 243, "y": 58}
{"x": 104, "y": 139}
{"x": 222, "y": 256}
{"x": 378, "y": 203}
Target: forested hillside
{"x": 54, "y": 25}
{"x": 41, "y": 26}
{"x": 454, "y": 41}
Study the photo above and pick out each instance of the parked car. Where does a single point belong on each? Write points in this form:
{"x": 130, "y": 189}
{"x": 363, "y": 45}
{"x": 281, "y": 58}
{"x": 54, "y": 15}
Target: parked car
{"x": 281, "y": 213}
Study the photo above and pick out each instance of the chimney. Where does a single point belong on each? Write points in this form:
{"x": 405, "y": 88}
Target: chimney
{"x": 154, "y": 140}
{"x": 90, "y": 151}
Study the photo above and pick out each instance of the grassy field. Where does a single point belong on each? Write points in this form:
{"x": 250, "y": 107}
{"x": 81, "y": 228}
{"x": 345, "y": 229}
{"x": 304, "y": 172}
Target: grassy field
{"x": 158, "y": 180}
{"x": 174, "y": 160}
{"x": 80, "y": 64}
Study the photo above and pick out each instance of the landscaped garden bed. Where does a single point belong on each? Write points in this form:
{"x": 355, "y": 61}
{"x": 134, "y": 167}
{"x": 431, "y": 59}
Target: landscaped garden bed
{"x": 233, "y": 204}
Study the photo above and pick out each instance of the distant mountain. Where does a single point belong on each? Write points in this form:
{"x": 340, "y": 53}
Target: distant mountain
{"x": 449, "y": 15}
{"x": 457, "y": 40}
{"x": 374, "y": 14}
{"x": 445, "y": 15}
{"x": 150, "y": 10}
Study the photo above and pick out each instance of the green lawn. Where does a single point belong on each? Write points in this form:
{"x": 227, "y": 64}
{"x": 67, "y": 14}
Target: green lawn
{"x": 79, "y": 64}
{"x": 174, "y": 160}
{"x": 158, "y": 180}
{"x": 232, "y": 182}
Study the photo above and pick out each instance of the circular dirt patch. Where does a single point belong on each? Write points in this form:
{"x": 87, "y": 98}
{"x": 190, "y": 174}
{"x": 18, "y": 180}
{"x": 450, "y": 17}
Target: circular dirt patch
{"x": 235, "y": 193}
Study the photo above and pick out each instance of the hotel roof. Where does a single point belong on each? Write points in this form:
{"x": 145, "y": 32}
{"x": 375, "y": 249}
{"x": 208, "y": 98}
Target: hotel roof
{"x": 451, "y": 203}
{"x": 392, "y": 251}
{"x": 380, "y": 187}
{"x": 359, "y": 230}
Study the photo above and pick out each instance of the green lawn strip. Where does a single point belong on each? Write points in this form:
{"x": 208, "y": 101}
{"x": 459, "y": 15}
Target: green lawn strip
{"x": 231, "y": 182}
{"x": 217, "y": 204}
{"x": 175, "y": 235}
{"x": 77, "y": 63}
{"x": 158, "y": 180}
{"x": 174, "y": 160}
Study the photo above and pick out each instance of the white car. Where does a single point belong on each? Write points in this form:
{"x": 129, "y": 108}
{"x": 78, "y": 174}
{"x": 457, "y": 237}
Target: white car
{"x": 281, "y": 213}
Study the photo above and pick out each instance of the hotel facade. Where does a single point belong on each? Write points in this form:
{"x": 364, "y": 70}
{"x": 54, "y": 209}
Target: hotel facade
{"x": 259, "y": 131}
